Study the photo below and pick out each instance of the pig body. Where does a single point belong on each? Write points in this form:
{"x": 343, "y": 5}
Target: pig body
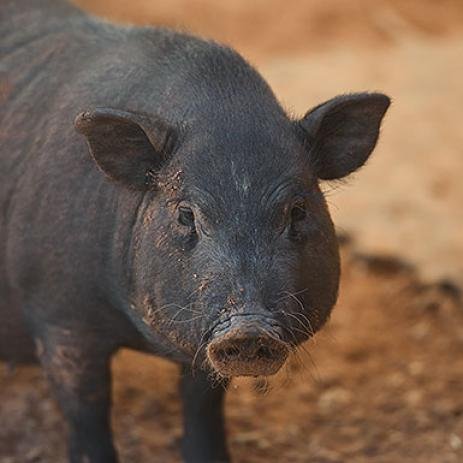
{"x": 154, "y": 195}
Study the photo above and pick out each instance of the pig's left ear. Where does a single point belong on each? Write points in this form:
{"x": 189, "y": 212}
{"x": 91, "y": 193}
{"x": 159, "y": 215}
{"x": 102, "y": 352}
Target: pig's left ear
{"x": 128, "y": 147}
{"x": 341, "y": 133}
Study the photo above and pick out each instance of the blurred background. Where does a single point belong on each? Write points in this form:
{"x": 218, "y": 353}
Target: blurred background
{"x": 383, "y": 382}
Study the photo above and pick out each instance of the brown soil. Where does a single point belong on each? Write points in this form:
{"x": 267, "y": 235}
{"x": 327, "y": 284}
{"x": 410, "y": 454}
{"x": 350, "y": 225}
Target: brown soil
{"x": 384, "y": 381}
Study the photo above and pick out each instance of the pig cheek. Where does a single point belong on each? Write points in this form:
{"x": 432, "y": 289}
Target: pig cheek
{"x": 324, "y": 284}
{"x": 160, "y": 242}
{"x": 180, "y": 334}
{"x": 320, "y": 270}
{"x": 182, "y": 340}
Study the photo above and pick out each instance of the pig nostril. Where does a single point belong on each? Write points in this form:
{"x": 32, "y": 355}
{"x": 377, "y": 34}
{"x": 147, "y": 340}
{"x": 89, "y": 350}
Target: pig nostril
{"x": 247, "y": 349}
{"x": 264, "y": 352}
{"x": 232, "y": 352}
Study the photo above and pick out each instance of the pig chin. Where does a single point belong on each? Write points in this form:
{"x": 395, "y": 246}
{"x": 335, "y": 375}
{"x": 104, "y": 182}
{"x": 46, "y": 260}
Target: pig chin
{"x": 247, "y": 348}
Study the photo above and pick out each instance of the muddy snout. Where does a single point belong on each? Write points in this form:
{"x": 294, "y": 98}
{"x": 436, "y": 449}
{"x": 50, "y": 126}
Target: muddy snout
{"x": 246, "y": 351}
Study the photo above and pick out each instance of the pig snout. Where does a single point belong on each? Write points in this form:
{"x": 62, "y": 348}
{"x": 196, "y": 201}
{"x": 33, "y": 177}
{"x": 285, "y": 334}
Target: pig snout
{"x": 247, "y": 350}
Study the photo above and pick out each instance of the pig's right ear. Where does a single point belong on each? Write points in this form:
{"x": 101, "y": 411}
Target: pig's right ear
{"x": 128, "y": 147}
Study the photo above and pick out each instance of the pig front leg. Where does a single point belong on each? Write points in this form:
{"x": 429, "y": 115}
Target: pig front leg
{"x": 79, "y": 373}
{"x": 204, "y": 439}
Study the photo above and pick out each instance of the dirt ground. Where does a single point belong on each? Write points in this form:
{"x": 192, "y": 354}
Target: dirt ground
{"x": 382, "y": 384}
{"x": 383, "y": 381}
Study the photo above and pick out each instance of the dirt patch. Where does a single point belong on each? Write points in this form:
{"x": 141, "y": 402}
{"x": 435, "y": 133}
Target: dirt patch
{"x": 382, "y": 383}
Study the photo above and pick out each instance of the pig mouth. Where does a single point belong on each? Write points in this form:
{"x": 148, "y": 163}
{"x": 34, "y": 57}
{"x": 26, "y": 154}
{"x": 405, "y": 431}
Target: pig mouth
{"x": 247, "y": 345}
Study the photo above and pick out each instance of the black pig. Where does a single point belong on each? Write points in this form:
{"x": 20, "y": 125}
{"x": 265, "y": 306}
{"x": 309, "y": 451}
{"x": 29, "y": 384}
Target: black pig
{"x": 154, "y": 195}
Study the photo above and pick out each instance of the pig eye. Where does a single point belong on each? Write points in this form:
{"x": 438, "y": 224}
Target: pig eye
{"x": 296, "y": 225}
{"x": 298, "y": 212}
{"x": 186, "y": 216}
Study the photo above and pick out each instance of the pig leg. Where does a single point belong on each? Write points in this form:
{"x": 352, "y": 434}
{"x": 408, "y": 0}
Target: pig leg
{"x": 204, "y": 438}
{"x": 79, "y": 373}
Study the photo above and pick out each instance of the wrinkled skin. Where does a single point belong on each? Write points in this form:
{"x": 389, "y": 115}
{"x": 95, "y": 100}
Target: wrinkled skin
{"x": 154, "y": 195}
{"x": 243, "y": 254}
